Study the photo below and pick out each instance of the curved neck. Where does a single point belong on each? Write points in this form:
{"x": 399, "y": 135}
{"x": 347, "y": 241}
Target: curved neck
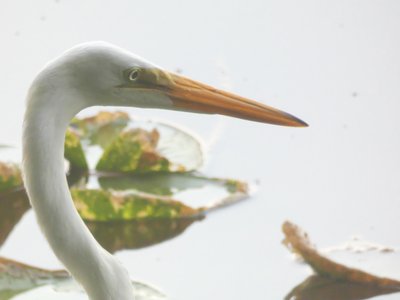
{"x": 45, "y": 123}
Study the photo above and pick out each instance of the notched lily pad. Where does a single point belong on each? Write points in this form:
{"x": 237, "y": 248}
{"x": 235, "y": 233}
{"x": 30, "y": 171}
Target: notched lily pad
{"x": 137, "y": 146}
{"x": 73, "y": 151}
{"x": 10, "y": 177}
{"x": 298, "y": 242}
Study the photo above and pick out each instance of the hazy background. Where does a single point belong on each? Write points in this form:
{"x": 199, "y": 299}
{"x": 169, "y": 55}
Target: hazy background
{"x": 335, "y": 64}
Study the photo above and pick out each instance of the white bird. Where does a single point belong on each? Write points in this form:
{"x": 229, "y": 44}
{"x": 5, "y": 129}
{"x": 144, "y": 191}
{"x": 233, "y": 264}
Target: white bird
{"x": 101, "y": 74}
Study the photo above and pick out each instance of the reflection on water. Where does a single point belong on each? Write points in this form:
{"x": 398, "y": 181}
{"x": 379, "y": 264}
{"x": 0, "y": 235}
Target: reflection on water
{"x": 113, "y": 236}
{"x": 12, "y": 207}
{"x": 17, "y": 278}
{"x": 317, "y": 287}
{"x": 137, "y": 234}
{"x": 28, "y": 281}
{"x": 23, "y": 280}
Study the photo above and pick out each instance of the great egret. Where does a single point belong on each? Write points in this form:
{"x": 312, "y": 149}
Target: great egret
{"x": 92, "y": 74}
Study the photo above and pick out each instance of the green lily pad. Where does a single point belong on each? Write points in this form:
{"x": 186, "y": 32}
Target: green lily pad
{"x": 133, "y": 151}
{"x": 73, "y": 151}
{"x": 131, "y": 232}
{"x": 105, "y": 205}
{"x": 113, "y": 236}
{"x": 134, "y": 146}
{"x": 180, "y": 196}
{"x": 10, "y": 176}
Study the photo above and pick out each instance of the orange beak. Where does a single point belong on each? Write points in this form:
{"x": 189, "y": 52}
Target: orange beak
{"x": 191, "y": 95}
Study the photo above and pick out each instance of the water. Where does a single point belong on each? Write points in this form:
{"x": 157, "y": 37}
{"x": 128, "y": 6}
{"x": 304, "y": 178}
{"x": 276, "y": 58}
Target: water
{"x": 335, "y": 65}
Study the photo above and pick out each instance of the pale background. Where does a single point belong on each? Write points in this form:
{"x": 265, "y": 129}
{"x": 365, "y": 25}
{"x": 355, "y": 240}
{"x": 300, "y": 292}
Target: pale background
{"x": 335, "y": 64}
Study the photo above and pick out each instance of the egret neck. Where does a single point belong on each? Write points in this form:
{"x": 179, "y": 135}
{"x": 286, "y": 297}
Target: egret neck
{"x": 45, "y": 123}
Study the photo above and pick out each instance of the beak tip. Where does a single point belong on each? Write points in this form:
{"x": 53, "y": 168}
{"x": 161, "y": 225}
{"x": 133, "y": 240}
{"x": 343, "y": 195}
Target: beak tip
{"x": 301, "y": 123}
{"x": 295, "y": 122}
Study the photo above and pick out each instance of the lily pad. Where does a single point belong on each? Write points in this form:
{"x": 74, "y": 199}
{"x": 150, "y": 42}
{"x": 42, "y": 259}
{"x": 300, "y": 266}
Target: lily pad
{"x": 73, "y": 151}
{"x": 17, "y": 278}
{"x": 143, "y": 231}
{"x": 113, "y": 236}
{"x": 183, "y": 149}
{"x": 298, "y": 242}
{"x": 115, "y": 143}
{"x": 175, "y": 197}
{"x": 10, "y": 177}
{"x": 133, "y": 151}
{"x": 106, "y": 205}
{"x": 30, "y": 282}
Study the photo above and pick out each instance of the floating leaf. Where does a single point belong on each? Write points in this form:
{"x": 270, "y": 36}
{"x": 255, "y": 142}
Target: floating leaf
{"x": 73, "y": 151}
{"x": 24, "y": 280}
{"x": 17, "y": 278}
{"x": 10, "y": 176}
{"x": 133, "y": 151}
{"x": 318, "y": 287}
{"x": 137, "y": 146}
{"x": 124, "y": 197}
{"x": 182, "y": 148}
{"x": 297, "y": 241}
{"x": 101, "y": 205}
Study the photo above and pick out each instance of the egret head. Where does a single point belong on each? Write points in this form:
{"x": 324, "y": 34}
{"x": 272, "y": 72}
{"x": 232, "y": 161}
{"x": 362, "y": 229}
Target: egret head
{"x": 103, "y": 74}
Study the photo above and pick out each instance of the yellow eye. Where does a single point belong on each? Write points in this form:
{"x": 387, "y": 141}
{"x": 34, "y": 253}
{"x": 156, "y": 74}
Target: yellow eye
{"x": 134, "y": 75}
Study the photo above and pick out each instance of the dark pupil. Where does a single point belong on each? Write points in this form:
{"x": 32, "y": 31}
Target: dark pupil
{"x": 134, "y": 75}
